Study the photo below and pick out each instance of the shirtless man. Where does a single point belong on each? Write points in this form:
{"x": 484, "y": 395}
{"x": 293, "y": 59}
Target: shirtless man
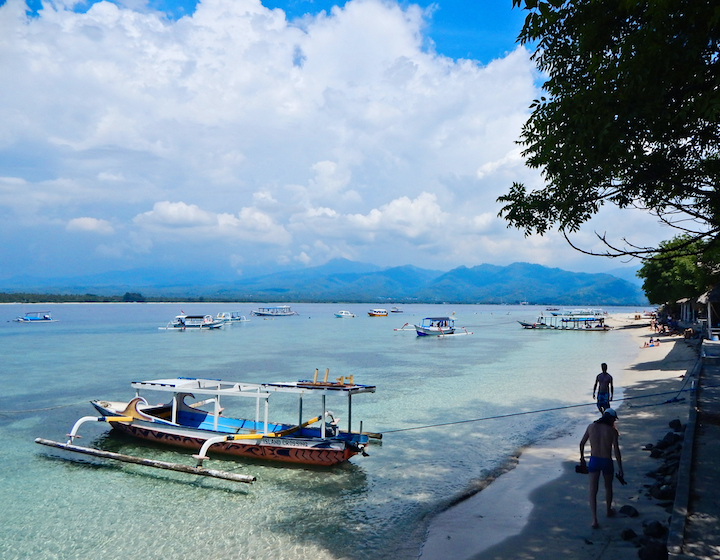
{"x": 604, "y": 387}
{"x": 603, "y": 438}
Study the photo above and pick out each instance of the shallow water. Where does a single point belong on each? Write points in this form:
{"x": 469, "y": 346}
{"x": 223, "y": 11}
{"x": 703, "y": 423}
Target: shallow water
{"x": 57, "y": 505}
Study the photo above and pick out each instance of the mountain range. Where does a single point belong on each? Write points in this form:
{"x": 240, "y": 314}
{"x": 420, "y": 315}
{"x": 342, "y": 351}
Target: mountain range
{"x": 349, "y": 281}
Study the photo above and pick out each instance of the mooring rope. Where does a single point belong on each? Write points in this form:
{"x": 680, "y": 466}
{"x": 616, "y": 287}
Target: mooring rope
{"x": 26, "y": 410}
{"x": 565, "y": 407}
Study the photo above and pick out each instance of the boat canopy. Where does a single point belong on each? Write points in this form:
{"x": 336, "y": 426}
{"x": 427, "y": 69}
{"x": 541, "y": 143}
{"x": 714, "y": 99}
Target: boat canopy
{"x": 229, "y": 388}
{"x": 215, "y": 388}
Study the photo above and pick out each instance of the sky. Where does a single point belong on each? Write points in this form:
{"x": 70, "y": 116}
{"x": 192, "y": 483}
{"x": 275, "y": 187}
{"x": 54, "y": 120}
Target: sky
{"x": 245, "y": 136}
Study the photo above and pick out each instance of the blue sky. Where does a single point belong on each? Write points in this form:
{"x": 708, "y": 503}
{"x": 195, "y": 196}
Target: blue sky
{"x": 249, "y": 136}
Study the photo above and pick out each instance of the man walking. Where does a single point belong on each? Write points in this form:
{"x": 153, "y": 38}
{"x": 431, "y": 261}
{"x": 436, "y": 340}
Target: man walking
{"x": 604, "y": 387}
{"x": 603, "y": 437}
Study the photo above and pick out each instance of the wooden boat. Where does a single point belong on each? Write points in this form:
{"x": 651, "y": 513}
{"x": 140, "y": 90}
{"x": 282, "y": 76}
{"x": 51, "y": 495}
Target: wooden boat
{"x": 344, "y": 314}
{"x": 439, "y": 326}
{"x": 585, "y": 323}
{"x": 378, "y": 313}
{"x": 36, "y": 317}
{"x": 276, "y": 311}
{"x": 434, "y": 326}
{"x": 189, "y": 425}
{"x": 193, "y": 322}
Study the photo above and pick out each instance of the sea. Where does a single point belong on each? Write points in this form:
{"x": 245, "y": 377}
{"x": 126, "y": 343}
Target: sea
{"x": 452, "y": 412}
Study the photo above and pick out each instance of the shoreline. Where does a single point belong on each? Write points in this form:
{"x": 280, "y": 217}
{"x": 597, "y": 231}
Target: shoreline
{"x": 539, "y": 509}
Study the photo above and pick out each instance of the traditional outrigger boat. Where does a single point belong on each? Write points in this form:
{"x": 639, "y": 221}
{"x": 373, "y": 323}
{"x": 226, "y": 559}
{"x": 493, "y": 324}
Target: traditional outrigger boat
{"x": 193, "y": 322}
{"x": 378, "y": 313}
{"x": 438, "y": 326}
{"x": 276, "y": 311}
{"x": 585, "y": 323}
{"x": 178, "y": 423}
{"x": 36, "y": 317}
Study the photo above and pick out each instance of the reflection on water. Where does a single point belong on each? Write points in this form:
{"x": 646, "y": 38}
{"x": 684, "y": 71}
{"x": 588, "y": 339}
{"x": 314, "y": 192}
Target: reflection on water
{"x": 371, "y": 507}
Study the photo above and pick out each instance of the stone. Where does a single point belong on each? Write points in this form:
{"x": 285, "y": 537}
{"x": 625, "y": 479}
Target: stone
{"x": 654, "y": 529}
{"x": 628, "y": 534}
{"x": 628, "y": 511}
{"x": 653, "y": 551}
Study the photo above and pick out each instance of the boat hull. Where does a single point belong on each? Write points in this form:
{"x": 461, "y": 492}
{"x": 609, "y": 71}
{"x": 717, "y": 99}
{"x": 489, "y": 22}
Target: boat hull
{"x": 271, "y": 449}
{"x": 433, "y": 331}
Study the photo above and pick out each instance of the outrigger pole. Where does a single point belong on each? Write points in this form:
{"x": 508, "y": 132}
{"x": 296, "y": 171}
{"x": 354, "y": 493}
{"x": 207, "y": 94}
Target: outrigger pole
{"x": 148, "y": 462}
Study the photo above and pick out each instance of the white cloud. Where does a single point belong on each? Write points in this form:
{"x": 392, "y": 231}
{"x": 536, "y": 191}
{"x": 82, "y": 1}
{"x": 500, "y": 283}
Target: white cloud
{"x": 340, "y": 136}
{"x": 175, "y": 214}
{"x": 189, "y": 221}
{"x": 94, "y": 225}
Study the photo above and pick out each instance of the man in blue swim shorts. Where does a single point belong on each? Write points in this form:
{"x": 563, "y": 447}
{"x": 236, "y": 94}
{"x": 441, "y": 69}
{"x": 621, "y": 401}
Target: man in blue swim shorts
{"x": 603, "y": 437}
{"x": 604, "y": 387}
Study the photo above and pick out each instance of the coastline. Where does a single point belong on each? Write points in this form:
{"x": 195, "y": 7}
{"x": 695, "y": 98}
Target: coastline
{"x": 539, "y": 509}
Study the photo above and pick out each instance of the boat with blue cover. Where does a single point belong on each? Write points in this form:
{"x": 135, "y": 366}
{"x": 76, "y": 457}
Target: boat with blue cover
{"x": 35, "y": 317}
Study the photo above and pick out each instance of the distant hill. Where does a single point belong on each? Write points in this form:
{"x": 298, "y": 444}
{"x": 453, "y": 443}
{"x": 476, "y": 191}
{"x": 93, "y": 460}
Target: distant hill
{"x": 348, "y": 281}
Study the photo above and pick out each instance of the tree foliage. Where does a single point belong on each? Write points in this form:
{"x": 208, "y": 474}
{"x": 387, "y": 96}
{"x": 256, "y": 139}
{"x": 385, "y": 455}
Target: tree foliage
{"x": 679, "y": 272}
{"x": 630, "y": 117}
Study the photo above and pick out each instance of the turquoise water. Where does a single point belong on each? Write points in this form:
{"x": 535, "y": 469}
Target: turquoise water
{"x": 57, "y": 505}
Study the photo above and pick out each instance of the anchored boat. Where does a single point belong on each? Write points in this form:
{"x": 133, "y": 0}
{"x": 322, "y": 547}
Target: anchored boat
{"x": 276, "y": 311}
{"x": 378, "y": 313}
{"x": 585, "y": 323}
{"x": 193, "y": 322}
{"x": 439, "y": 326}
{"x": 200, "y": 425}
{"x": 35, "y": 317}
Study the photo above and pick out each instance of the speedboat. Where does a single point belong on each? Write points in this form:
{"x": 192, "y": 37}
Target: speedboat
{"x": 396, "y": 310}
{"x": 193, "y": 322}
{"x": 344, "y": 314}
{"x": 202, "y": 425}
{"x": 35, "y": 317}
{"x": 378, "y": 313}
{"x": 435, "y": 326}
{"x": 277, "y": 311}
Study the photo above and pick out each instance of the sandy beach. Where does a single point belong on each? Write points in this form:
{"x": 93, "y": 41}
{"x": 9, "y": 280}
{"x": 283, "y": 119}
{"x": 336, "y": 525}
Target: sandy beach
{"x": 540, "y": 508}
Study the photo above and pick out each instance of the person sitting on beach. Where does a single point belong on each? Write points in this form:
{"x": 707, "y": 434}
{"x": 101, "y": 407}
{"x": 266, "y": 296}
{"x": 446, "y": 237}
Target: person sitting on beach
{"x": 604, "y": 387}
{"x": 603, "y": 437}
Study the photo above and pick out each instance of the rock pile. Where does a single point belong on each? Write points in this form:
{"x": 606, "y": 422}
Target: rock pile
{"x": 653, "y": 542}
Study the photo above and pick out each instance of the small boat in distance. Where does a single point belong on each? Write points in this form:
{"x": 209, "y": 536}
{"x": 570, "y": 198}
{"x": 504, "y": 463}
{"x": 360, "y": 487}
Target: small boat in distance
{"x": 344, "y": 314}
{"x": 36, "y": 317}
{"x": 193, "y": 322}
{"x": 439, "y": 327}
{"x": 181, "y": 423}
{"x": 378, "y": 313}
{"x": 585, "y": 323}
{"x": 223, "y": 316}
{"x": 237, "y": 317}
{"x": 276, "y": 311}
{"x": 434, "y": 326}
{"x": 396, "y": 310}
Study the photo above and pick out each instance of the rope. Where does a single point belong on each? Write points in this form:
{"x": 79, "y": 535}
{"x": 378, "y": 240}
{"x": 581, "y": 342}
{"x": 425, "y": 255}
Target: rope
{"x": 25, "y": 410}
{"x": 510, "y": 415}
